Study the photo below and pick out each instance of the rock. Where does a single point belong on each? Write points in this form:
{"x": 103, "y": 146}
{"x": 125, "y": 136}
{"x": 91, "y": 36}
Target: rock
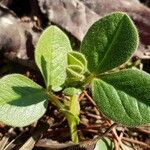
{"x": 17, "y": 38}
{"x": 137, "y": 11}
{"x": 77, "y": 16}
{"x": 72, "y": 15}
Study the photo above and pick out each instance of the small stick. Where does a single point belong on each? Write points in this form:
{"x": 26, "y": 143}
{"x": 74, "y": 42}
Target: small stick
{"x": 97, "y": 117}
{"x": 117, "y": 138}
{"x": 90, "y": 99}
{"x": 7, "y": 146}
{"x": 94, "y": 141}
{"x": 143, "y": 130}
{"x": 85, "y": 144}
{"x": 116, "y": 145}
{"x": 81, "y": 96}
{"x": 5, "y": 139}
{"x": 135, "y": 142}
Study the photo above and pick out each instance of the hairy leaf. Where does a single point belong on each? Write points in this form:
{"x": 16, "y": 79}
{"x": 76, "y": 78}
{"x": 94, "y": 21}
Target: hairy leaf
{"x": 76, "y": 68}
{"x": 124, "y": 96}
{"x": 51, "y": 56}
{"x": 71, "y": 91}
{"x": 22, "y": 101}
{"x": 104, "y": 144}
{"x": 76, "y": 58}
{"x": 73, "y": 75}
{"x": 109, "y": 42}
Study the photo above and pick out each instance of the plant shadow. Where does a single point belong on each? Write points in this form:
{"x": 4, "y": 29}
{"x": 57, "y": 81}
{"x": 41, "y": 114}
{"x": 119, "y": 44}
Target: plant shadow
{"x": 26, "y": 96}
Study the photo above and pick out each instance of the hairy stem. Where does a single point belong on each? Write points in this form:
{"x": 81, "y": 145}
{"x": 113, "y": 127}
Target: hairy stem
{"x": 75, "y": 110}
{"x": 55, "y": 101}
{"x": 72, "y": 119}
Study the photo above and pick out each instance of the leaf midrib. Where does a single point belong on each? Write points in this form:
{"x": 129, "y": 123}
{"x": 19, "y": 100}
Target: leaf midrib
{"x": 123, "y": 105}
{"x": 111, "y": 43}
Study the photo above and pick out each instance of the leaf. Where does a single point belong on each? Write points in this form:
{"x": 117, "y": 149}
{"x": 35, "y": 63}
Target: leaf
{"x": 76, "y": 58}
{"x": 71, "y": 74}
{"x": 76, "y": 68}
{"x": 51, "y": 56}
{"x": 22, "y": 101}
{"x": 109, "y": 42}
{"x": 104, "y": 144}
{"x": 71, "y": 91}
{"x": 124, "y": 96}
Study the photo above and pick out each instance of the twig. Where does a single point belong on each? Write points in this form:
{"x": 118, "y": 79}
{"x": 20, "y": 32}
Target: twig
{"x": 5, "y": 139}
{"x": 90, "y": 131}
{"x": 6, "y": 147}
{"x": 117, "y": 138}
{"x": 97, "y": 117}
{"x": 94, "y": 141}
{"x": 136, "y": 142}
{"x": 116, "y": 145}
{"x": 81, "y": 96}
{"x": 96, "y": 126}
{"x": 30, "y": 143}
{"x": 90, "y": 99}
{"x": 85, "y": 144}
{"x": 143, "y": 130}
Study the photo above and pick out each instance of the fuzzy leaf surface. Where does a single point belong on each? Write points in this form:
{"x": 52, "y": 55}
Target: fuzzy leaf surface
{"x": 76, "y": 68}
{"x": 124, "y": 96}
{"x": 104, "y": 144}
{"x": 109, "y": 42}
{"x": 22, "y": 101}
{"x": 73, "y": 75}
{"x": 51, "y": 56}
{"x": 76, "y": 58}
{"x": 71, "y": 91}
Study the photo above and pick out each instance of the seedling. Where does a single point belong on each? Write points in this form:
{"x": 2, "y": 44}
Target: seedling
{"x": 122, "y": 95}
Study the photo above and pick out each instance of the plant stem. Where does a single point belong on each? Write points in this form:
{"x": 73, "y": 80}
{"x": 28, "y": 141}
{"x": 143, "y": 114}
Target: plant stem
{"x": 73, "y": 130}
{"x": 75, "y": 110}
{"x": 74, "y": 104}
{"x": 55, "y": 101}
{"x": 88, "y": 79}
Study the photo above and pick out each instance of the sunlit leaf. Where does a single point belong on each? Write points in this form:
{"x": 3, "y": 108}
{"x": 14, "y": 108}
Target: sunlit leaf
{"x": 51, "y": 56}
{"x": 124, "y": 96}
{"x": 109, "y": 42}
{"x": 22, "y": 101}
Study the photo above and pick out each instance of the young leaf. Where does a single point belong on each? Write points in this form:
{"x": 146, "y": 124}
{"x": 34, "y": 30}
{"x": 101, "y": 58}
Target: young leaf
{"x": 109, "y": 42}
{"x": 22, "y": 101}
{"x": 51, "y": 56}
{"x": 71, "y": 91}
{"x": 76, "y": 58}
{"x": 72, "y": 74}
{"x": 104, "y": 144}
{"x": 76, "y": 68}
{"x": 124, "y": 96}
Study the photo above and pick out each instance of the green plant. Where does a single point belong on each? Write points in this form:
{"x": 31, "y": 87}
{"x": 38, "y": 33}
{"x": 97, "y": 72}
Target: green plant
{"x": 122, "y": 95}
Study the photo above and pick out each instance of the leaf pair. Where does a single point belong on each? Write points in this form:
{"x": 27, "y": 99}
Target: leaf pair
{"x": 77, "y": 65}
{"x": 23, "y": 101}
{"x": 123, "y": 96}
